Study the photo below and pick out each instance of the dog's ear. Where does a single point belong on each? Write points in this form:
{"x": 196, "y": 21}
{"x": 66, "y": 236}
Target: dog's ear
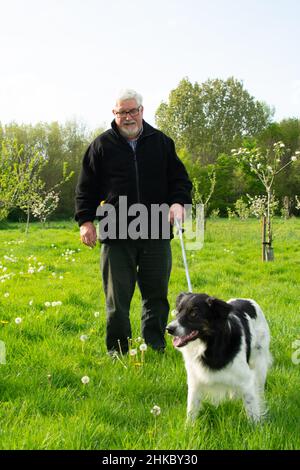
{"x": 180, "y": 297}
{"x": 219, "y": 307}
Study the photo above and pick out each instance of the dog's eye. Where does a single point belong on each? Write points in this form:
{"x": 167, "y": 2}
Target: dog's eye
{"x": 193, "y": 314}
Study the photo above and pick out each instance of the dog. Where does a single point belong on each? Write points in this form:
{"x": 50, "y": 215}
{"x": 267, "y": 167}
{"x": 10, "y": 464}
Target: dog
{"x": 225, "y": 346}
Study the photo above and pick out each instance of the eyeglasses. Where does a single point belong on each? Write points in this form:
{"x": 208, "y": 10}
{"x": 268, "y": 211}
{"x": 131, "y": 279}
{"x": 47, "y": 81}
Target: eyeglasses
{"x": 133, "y": 112}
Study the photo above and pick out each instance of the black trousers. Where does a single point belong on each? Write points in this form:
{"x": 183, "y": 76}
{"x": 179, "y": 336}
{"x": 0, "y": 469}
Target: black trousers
{"x": 123, "y": 263}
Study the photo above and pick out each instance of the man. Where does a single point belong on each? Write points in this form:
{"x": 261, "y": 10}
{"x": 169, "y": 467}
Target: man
{"x": 136, "y": 161}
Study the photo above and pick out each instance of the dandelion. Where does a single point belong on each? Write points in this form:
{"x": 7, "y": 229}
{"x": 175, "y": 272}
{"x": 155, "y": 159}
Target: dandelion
{"x": 133, "y": 352}
{"x": 6, "y": 294}
{"x": 85, "y": 379}
{"x": 96, "y": 314}
{"x": 115, "y": 355}
{"x": 143, "y": 348}
{"x": 174, "y": 313}
{"x": 61, "y": 277}
{"x": 156, "y": 410}
{"x": 30, "y": 302}
{"x": 18, "y": 320}
{"x": 47, "y": 304}
{"x": 84, "y": 338}
{"x": 294, "y": 158}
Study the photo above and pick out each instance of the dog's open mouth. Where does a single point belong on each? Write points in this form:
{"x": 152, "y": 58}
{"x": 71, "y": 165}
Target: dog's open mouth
{"x": 180, "y": 341}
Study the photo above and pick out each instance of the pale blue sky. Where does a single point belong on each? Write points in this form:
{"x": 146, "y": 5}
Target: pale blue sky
{"x": 62, "y": 59}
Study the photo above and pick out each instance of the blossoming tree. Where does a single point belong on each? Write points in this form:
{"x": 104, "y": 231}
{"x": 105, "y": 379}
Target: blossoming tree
{"x": 266, "y": 164}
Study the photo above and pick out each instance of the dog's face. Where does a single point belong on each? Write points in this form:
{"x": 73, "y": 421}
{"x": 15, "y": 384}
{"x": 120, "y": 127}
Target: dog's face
{"x": 198, "y": 316}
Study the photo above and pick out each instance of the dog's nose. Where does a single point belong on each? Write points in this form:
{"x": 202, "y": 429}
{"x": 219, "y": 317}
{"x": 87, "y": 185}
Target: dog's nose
{"x": 170, "y": 329}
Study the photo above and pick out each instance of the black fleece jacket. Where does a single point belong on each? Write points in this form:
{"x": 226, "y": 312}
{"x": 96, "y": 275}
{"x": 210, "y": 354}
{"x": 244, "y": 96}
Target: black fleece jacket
{"x": 153, "y": 174}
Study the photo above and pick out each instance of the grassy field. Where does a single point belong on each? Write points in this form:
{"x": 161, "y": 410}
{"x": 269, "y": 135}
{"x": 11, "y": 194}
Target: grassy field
{"x": 45, "y": 405}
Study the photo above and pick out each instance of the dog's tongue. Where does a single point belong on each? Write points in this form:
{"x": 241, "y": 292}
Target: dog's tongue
{"x": 180, "y": 341}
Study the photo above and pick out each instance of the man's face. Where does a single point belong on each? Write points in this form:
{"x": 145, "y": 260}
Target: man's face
{"x": 128, "y": 124}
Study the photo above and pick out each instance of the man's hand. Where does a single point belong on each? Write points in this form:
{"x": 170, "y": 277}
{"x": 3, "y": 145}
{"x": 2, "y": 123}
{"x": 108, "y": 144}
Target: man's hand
{"x": 177, "y": 211}
{"x": 88, "y": 234}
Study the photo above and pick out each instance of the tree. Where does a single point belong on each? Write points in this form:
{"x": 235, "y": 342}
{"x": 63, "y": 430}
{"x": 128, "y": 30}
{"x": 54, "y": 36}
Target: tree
{"x": 9, "y": 178}
{"x": 211, "y": 118}
{"x": 266, "y": 164}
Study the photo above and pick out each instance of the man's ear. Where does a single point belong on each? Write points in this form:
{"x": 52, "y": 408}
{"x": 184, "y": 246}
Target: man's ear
{"x": 219, "y": 307}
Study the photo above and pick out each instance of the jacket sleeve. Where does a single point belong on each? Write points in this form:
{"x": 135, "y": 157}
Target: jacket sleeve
{"x": 88, "y": 193}
{"x": 179, "y": 184}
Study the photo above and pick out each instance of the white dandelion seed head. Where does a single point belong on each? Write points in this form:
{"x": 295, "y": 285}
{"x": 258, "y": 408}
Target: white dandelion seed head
{"x": 85, "y": 379}
{"x": 84, "y": 338}
{"x": 97, "y": 314}
{"x": 6, "y": 294}
{"x": 174, "y": 313}
{"x": 294, "y": 158}
{"x": 18, "y": 320}
{"x": 156, "y": 410}
{"x": 143, "y": 347}
{"x": 133, "y": 352}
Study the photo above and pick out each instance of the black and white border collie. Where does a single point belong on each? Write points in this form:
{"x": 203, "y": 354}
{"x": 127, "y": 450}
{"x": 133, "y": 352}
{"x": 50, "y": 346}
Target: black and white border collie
{"x": 225, "y": 346}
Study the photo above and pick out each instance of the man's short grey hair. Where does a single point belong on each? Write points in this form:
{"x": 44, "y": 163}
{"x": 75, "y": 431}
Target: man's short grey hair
{"x": 129, "y": 94}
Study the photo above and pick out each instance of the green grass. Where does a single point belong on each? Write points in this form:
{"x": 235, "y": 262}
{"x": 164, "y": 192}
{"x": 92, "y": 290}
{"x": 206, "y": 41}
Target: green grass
{"x": 43, "y": 403}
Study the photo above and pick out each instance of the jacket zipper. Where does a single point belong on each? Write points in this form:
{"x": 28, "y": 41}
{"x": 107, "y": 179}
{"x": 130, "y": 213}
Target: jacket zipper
{"x": 137, "y": 177}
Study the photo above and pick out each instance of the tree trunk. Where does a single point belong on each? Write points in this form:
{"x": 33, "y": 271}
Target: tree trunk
{"x": 27, "y": 221}
{"x": 267, "y": 242}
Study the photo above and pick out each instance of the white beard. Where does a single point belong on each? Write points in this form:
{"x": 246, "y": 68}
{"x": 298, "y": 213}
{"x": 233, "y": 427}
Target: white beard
{"x": 129, "y": 130}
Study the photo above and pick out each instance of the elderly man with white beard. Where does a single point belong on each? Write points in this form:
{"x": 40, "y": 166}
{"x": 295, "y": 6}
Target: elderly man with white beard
{"x": 133, "y": 160}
